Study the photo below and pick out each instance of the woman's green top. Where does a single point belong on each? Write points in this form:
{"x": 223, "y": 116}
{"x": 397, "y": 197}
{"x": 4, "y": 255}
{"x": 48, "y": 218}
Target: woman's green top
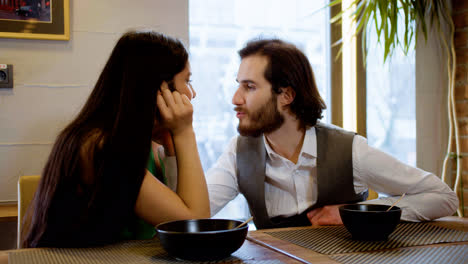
{"x": 139, "y": 228}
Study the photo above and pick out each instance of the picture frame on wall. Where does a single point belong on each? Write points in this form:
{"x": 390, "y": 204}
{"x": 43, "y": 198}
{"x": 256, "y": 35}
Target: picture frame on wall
{"x": 35, "y": 19}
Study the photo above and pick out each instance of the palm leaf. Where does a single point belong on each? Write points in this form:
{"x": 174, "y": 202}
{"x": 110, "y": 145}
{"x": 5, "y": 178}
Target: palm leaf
{"x": 407, "y": 29}
{"x": 383, "y": 15}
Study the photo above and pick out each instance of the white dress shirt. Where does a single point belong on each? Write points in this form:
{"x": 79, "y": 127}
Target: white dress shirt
{"x": 292, "y": 188}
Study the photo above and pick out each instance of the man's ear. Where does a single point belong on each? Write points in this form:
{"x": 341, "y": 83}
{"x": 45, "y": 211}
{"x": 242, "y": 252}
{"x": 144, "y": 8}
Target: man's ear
{"x": 287, "y": 95}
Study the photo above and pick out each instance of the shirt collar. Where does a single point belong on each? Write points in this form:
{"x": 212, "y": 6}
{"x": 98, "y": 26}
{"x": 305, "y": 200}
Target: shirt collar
{"x": 309, "y": 147}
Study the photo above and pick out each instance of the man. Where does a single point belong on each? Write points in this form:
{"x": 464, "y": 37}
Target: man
{"x": 295, "y": 171}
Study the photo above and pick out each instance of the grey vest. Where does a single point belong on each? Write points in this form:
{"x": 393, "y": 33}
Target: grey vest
{"x": 334, "y": 175}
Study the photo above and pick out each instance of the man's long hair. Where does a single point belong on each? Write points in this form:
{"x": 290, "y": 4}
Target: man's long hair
{"x": 116, "y": 122}
{"x": 288, "y": 66}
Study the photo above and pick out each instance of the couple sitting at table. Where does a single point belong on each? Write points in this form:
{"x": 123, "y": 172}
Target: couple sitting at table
{"x": 98, "y": 186}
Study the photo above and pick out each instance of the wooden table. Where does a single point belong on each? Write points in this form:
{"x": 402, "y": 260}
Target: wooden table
{"x": 261, "y": 246}
{"x": 305, "y": 255}
{"x": 254, "y": 251}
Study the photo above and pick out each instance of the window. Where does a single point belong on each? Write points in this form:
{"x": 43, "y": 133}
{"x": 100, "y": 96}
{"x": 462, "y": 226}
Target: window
{"x": 391, "y": 102}
{"x": 215, "y": 38}
{"x": 218, "y": 29}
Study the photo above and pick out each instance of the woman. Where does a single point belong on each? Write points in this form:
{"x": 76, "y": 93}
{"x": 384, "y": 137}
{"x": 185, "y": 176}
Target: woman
{"x": 95, "y": 188}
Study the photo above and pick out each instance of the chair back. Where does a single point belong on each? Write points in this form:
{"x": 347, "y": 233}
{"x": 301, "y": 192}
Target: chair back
{"x": 372, "y": 195}
{"x": 27, "y": 186}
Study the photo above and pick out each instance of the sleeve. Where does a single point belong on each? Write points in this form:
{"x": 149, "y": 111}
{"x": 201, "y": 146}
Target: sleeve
{"x": 170, "y": 168}
{"x": 222, "y": 179}
{"x": 427, "y": 197}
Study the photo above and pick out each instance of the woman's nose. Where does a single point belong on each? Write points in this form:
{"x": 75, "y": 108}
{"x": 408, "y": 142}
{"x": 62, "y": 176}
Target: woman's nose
{"x": 193, "y": 92}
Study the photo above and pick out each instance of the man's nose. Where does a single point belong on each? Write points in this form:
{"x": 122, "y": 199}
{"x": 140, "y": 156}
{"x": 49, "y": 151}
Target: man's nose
{"x": 237, "y": 98}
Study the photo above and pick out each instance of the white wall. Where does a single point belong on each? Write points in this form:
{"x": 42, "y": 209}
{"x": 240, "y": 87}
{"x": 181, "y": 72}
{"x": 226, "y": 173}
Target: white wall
{"x": 52, "y": 79}
{"x": 431, "y": 103}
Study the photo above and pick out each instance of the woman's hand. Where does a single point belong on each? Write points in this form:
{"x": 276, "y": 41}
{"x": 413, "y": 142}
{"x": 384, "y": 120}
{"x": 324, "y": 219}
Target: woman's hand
{"x": 176, "y": 110}
{"x": 156, "y": 203}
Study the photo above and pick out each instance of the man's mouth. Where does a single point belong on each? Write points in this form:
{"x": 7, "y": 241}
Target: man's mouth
{"x": 240, "y": 112}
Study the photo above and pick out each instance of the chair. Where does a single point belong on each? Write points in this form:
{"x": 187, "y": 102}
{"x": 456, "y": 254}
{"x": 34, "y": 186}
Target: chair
{"x": 27, "y": 186}
{"x": 372, "y": 195}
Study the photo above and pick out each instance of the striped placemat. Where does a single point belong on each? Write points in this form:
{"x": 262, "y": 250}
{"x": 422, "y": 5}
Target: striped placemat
{"x": 138, "y": 251}
{"x": 453, "y": 254}
{"x": 336, "y": 239}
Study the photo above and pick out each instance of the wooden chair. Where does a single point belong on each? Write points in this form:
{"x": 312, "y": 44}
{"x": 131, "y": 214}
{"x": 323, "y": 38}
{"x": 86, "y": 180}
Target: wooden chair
{"x": 372, "y": 195}
{"x": 27, "y": 186}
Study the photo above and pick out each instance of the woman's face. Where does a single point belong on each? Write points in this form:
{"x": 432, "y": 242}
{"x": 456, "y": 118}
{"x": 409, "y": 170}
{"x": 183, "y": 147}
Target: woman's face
{"x": 182, "y": 82}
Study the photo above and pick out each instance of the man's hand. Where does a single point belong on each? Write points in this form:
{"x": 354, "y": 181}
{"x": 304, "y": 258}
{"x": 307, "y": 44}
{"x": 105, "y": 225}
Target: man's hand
{"x": 327, "y": 215}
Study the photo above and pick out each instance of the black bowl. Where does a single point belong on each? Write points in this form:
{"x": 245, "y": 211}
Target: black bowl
{"x": 370, "y": 221}
{"x": 201, "y": 239}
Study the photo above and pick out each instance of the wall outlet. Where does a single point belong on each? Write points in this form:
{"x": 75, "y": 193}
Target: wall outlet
{"x": 6, "y": 76}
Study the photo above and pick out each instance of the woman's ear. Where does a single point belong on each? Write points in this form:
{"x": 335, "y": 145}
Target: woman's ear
{"x": 287, "y": 95}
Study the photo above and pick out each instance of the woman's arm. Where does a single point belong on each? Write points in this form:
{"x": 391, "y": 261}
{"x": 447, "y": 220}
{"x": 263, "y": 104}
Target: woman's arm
{"x": 156, "y": 203}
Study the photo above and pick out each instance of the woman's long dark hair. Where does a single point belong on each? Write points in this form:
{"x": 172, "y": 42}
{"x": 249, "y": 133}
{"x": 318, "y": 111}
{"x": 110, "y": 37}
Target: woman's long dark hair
{"x": 116, "y": 122}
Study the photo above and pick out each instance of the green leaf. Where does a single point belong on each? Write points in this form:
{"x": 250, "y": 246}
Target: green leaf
{"x": 385, "y": 15}
{"x": 364, "y": 46}
{"x": 407, "y": 29}
{"x": 420, "y": 10}
{"x": 411, "y": 37}
{"x": 435, "y": 13}
{"x": 338, "y": 54}
{"x": 392, "y": 38}
{"x": 337, "y": 17}
{"x": 378, "y": 27}
{"x": 338, "y": 42}
{"x": 385, "y": 42}
{"x": 334, "y": 3}
{"x": 364, "y": 19}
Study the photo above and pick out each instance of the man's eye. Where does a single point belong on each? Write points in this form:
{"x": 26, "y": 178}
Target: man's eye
{"x": 250, "y": 86}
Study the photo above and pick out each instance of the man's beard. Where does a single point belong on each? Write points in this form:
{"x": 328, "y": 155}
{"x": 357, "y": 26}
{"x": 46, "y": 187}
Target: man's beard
{"x": 266, "y": 119}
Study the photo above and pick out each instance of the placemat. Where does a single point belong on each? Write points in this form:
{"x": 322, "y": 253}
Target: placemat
{"x": 336, "y": 239}
{"x": 138, "y": 251}
{"x": 453, "y": 254}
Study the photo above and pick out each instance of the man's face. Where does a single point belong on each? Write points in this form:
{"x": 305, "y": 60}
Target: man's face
{"x": 256, "y": 105}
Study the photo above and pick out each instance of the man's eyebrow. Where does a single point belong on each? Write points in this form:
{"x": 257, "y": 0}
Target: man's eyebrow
{"x": 246, "y": 81}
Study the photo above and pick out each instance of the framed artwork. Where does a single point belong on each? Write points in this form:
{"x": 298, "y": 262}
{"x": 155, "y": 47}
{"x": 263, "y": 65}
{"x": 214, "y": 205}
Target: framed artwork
{"x": 35, "y": 19}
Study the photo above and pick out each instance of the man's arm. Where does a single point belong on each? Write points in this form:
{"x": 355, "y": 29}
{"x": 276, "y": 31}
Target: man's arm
{"x": 427, "y": 197}
{"x": 222, "y": 179}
